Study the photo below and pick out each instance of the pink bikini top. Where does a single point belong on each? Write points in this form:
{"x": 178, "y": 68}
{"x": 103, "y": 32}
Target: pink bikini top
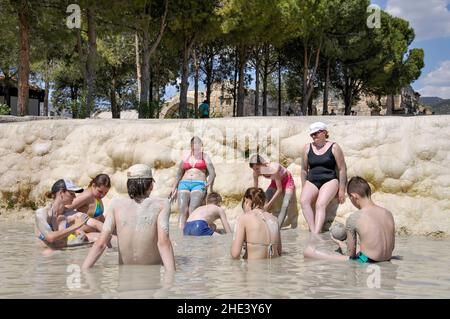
{"x": 199, "y": 164}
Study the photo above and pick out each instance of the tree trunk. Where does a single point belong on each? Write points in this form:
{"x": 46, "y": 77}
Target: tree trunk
{"x": 326, "y": 88}
{"x": 390, "y": 104}
{"x": 150, "y": 95}
{"x": 157, "y": 99}
{"x": 348, "y": 99}
{"x": 196, "y": 80}
{"x": 305, "y": 81}
{"x": 209, "y": 77}
{"x": 24, "y": 60}
{"x": 91, "y": 61}
{"x": 279, "y": 86}
{"x": 115, "y": 109}
{"x": 236, "y": 71}
{"x": 138, "y": 64}
{"x": 308, "y": 82}
{"x": 145, "y": 74}
{"x": 257, "y": 87}
{"x": 265, "y": 79}
{"x": 184, "y": 78}
{"x": 241, "y": 84}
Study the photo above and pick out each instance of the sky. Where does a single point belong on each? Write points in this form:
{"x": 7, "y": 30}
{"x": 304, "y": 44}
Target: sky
{"x": 430, "y": 20}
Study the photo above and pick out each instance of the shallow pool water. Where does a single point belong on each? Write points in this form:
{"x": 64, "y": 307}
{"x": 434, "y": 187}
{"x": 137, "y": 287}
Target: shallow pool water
{"x": 206, "y": 270}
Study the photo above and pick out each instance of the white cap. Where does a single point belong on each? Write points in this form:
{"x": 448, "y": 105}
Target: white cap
{"x": 317, "y": 126}
{"x": 139, "y": 171}
{"x": 65, "y": 184}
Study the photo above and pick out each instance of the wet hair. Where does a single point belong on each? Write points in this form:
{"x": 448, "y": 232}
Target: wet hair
{"x": 101, "y": 180}
{"x": 256, "y": 195}
{"x": 196, "y": 139}
{"x": 259, "y": 160}
{"x": 359, "y": 186}
{"x": 213, "y": 198}
{"x": 137, "y": 187}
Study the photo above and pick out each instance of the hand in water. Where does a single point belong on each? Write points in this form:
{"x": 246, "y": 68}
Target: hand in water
{"x": 266, "y": 207}
{"x": 340, "y": 243}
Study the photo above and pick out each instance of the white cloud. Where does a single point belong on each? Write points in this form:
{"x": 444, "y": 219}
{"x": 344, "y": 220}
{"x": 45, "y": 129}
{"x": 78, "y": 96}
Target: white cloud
{"x": 440, "y": 76}
{"x": 430, "y": 19}
{"x": 440, "y": 91}
{"x": 437, "y": 82}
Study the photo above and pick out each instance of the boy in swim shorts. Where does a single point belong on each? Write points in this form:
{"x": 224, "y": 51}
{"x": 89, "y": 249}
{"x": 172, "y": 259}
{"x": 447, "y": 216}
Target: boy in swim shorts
{"x": 201, "y": 221}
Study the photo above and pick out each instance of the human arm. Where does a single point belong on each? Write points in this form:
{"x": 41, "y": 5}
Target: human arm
{"x": 342, "y": 167}
{"x": 50, "y": 236}
{"x": 238, "y": 238}
{"x": 102, "y": 242}
{"x": 80, "y": 201}
{"x": 351, "y": 229}
{"x": 224, "y": 220}
{"x": 164, "y": 244}
{"x": 304, "y": 165}
{"x": 341, "y": 244}
{"x": 178, "y": 178}
{"x": 277, "y": 192}
{"x": 211, "y": 173}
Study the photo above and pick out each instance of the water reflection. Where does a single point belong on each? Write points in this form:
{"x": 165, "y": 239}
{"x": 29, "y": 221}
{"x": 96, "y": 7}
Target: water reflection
{"x": 205, "y": 270}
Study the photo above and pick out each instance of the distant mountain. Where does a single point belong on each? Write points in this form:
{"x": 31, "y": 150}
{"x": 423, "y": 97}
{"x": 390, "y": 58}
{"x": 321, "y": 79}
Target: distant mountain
{"x": 430, "y": 100}
{"x": 442, "y": 107}
{"x": 438, "y": 105}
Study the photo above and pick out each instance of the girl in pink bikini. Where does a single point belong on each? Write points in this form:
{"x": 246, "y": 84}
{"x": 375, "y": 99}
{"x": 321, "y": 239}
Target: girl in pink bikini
{"x": 282, "y": 184}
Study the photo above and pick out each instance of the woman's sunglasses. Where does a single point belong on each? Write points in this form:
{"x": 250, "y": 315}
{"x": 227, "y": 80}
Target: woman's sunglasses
{"x": 315, "y": 133}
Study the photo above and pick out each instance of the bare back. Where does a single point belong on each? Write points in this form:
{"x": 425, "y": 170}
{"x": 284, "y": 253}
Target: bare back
{"x": 208, "y": 213}
{"x": 376, "y": 229}
{"x": 137, "y": 230}
{"x": 261, "y": 234}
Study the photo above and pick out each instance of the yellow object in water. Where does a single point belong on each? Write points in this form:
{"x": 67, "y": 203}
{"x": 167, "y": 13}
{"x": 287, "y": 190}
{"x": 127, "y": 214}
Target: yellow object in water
{"x": 71, "y": 237}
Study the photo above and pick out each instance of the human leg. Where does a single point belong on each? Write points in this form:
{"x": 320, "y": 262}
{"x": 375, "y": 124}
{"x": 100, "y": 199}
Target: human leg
{"x": 326, "y": 193}
{"x": 308, "y": 195}
{"x": 183, "y": 206}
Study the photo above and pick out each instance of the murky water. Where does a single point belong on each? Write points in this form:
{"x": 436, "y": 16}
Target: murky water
{"x": 205, "y": 270}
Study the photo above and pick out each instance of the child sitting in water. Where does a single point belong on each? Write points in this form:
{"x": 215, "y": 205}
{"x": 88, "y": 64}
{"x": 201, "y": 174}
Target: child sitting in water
{"x": 201, "y": 220}
{"x": 374, "y": 225}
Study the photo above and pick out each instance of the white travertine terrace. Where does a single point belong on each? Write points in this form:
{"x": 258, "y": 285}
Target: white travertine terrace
{"x": 405, "y": 159}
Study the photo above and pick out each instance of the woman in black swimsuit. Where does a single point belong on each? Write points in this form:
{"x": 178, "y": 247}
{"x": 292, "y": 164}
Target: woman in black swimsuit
{"x": 320, "y": 182}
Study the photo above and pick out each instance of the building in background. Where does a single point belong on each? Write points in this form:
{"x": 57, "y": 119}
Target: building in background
{"x": 8, "y": 96}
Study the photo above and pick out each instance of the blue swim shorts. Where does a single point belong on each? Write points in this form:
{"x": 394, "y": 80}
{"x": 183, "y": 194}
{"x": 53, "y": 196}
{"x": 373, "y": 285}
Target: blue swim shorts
{"x": 197, "y": 228}
{"x": 192, "y": 186}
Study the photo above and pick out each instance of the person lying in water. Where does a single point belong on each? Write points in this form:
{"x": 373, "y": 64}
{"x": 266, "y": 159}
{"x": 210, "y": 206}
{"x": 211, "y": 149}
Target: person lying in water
{"x": 201, "y": 220}
{"x": 256, "y": 230}
{"x": 141, "y": 223}
{"x": 373, "y": 224}
{"x": 51, "y": 224}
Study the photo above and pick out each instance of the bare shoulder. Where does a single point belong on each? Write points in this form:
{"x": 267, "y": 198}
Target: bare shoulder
{"x": 306, "y": 148}
{"x": 352, "y": 220}
{"x": 42, "y": 212}
{"x": 336, "y": 147}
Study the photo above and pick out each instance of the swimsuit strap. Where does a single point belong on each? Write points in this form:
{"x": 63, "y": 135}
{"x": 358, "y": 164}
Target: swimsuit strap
{"x": 270, "y": 245}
